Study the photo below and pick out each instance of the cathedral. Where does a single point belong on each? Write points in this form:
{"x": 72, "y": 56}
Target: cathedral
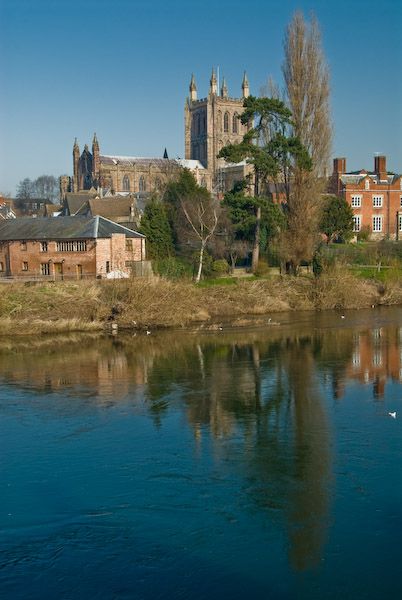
{"x": 210, "y": 123}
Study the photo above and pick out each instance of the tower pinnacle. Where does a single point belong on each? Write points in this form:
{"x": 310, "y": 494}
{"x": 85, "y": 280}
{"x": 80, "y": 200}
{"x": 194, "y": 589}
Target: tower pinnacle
{"x": 193, "y": 88}
{"x": 224, "y": 89}
{"x": 245, "y": 86}
{"x": 213, "y": 86}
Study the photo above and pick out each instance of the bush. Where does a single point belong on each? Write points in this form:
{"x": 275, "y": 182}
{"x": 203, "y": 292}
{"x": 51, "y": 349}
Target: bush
{"x": 263, "y": 269}
{"x": 220, "y": 267}
{"x": 364, "y": 234}
{"x": 172, "y": 268}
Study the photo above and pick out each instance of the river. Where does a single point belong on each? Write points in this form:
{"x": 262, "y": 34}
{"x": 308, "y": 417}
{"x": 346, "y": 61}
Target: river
{"x": 240, "y": 463}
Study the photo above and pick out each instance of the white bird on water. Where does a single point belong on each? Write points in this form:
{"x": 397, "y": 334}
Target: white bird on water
{"x": 342, "y": 316}
{"x": 148, "y": 332}
{"x": 392, "y": 414}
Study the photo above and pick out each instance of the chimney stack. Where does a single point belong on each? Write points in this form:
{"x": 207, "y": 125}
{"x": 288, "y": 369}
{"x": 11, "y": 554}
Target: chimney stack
{"x": 380, "y": 167}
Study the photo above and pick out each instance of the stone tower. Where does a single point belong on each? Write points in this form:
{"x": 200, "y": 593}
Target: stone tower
{"x": 213, "y": 122}
{"x": 95, "y": 161}
{"x": 76, "y": 162}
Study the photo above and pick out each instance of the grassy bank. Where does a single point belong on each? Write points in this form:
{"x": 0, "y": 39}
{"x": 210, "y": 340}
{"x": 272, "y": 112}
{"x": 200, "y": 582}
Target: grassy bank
{"x": 140, "y": 303}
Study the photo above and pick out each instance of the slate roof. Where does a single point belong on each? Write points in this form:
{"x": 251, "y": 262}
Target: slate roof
{"x": 130, "y": 161}
{"x": 62, "y": 228}
{"x": 74, "y": 201}
{"x": 116, "y": 207}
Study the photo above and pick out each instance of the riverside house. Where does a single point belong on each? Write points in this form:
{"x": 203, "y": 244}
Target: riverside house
{"x": 69, "y": 248}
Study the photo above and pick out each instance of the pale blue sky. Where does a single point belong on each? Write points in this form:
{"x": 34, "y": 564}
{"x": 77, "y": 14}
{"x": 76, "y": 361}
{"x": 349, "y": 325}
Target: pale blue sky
{"x": 122, "y": 68}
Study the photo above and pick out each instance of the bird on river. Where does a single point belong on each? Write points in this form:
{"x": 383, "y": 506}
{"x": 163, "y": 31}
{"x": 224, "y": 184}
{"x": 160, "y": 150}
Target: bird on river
{"x": 392, "y": 414}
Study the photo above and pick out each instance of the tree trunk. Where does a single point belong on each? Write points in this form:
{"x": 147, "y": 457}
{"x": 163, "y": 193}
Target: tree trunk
{"x": 256, "y": 245}
{"x": 197, "y": 279}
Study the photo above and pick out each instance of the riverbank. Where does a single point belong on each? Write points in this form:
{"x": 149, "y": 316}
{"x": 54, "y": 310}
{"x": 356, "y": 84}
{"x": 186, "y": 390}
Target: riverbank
{"x": 157, "y": 303}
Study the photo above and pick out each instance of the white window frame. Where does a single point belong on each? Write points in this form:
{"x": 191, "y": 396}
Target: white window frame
{"x": 356, "y": 201}
{"x": 378, "y": 200}
{"x": 400, "y": 201}
{"x": 399, "y": 221}
{"x": 367, "y": 184}
{"x": 357, "y": 223}
{"x": 377, "y": 223}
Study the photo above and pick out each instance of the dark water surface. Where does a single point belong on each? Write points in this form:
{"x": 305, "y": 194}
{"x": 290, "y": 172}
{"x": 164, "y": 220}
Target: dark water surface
{"x": 258, "y": 463}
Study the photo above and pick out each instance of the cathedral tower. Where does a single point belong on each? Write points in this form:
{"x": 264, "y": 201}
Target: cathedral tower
{"x": 213, "y": 122}
{"x": 95, "y": 161}
{"x": 76, "y": 162}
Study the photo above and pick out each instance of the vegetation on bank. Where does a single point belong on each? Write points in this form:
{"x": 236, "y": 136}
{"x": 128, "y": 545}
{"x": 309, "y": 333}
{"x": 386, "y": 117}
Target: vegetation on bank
{"x": 157, "y": 302}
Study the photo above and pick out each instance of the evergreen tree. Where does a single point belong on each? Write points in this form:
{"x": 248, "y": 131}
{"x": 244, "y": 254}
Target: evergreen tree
{"x": 337, "y": 219}
{"x": 155, "y": 226}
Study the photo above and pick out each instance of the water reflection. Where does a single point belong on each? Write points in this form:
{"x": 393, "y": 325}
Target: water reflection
{"x": 256, "y": 398}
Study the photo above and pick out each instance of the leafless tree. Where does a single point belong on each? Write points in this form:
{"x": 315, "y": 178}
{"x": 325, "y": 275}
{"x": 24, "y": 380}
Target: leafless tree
{"x": 202, "y": 215}
{"x": 306, "y": 78}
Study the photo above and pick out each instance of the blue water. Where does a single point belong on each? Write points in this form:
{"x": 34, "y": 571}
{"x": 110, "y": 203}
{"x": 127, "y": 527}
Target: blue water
{"x": 249, "y": 464}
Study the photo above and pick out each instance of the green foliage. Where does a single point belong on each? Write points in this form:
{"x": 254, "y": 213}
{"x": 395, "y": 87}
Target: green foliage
{"x": 267, "y": 146}
{"x": 155, "y": 226}
{"x": 337, "y": 219}
{"x": 364, "y": 234}
{"x": 185, "y": 188}
{"x": 172, "y": 268}
{"x": 220, "y": 267}
{"x": 242, "y": 214}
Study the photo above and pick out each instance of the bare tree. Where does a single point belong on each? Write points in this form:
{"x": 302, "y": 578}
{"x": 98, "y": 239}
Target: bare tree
{"x": 202, "y": 215}
{"x": 306, "y": 78}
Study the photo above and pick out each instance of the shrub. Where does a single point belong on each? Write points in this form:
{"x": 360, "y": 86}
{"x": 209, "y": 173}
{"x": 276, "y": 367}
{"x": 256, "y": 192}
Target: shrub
{"x": 172, "y": 268}
{"x": 220, "y": 267}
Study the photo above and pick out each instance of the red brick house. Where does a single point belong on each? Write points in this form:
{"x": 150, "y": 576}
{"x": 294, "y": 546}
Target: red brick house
{"x": 68, "y": 248}
{"x": 375, "y": 197}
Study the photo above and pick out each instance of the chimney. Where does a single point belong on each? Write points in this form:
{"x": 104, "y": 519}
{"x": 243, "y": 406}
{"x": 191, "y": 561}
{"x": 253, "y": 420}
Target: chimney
{"x": 380, "y": 167}
{"x": 335, "y": 185}
{"x": 339, "y": 166}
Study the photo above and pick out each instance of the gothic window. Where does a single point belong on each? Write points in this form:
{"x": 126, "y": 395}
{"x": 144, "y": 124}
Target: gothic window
{"x": 235, "y": 123}
{"x": 204, "y": 125}
{"x": 158, "y": 184}
{"x": 226, "y": 122}
{"x": 142, "y": 184}
{"x": 126, "y": 184}
{"x": 198, "y": 124}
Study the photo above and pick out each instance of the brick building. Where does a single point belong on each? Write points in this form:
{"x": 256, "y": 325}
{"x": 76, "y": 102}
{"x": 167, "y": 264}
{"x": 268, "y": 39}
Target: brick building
{"x": 68, "y": 248}
{"x": 375, "y": 197}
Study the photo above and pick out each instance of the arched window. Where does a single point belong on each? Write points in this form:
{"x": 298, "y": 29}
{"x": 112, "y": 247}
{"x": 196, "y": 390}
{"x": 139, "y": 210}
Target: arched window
{"x": 158, "y": 184}
{"x": 126, "y": 184}
{"x": 204, "y": 123}
{"x": 198, "y": 124}
{"x": 142, "y": 186}
{"x": 226, "y": 122}
{"x": 235, "y": 123}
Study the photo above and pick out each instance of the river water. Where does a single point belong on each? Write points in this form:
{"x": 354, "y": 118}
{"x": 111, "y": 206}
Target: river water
{"x": 239, "y": 463}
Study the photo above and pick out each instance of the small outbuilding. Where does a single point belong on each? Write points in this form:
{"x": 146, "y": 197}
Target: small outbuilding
{"x": 69, "y": 248}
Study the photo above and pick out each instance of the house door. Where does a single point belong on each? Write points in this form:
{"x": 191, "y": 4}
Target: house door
{"x": 79, "y": 271}
{"x": 58, "y": 270}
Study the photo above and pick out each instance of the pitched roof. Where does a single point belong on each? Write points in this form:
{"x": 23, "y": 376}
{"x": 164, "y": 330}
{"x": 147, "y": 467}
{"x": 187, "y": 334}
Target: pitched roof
{"x": 74, "y": 201}
{"x": 65, "y": 228}
{"x": 135, "y": 160}
{"x": 116, "y": 207}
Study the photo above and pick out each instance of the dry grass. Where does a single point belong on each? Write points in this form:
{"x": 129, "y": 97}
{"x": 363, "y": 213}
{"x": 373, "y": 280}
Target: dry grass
{"x": 139, "y": 303}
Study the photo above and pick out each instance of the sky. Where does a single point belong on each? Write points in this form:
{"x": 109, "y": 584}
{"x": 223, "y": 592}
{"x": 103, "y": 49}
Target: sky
{"x": 122, "y": 68}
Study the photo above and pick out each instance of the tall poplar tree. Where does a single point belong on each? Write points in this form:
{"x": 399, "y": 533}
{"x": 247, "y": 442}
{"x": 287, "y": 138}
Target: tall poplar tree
{"x": 306, "y": 78}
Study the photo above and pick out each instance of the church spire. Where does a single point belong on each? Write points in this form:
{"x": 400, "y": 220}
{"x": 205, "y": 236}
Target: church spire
{"x": 245, "y": 86}
{"x": 193, "y": 88}
{"x": 213, "y": 86}
{"x": 95, "y": 141}
{"x": 165, "y": 154}
{"x": 224, "y": 89}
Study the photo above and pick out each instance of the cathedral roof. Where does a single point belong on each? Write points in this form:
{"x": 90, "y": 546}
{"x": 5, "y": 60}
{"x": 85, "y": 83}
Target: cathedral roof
{"x": 107, "y": 159}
